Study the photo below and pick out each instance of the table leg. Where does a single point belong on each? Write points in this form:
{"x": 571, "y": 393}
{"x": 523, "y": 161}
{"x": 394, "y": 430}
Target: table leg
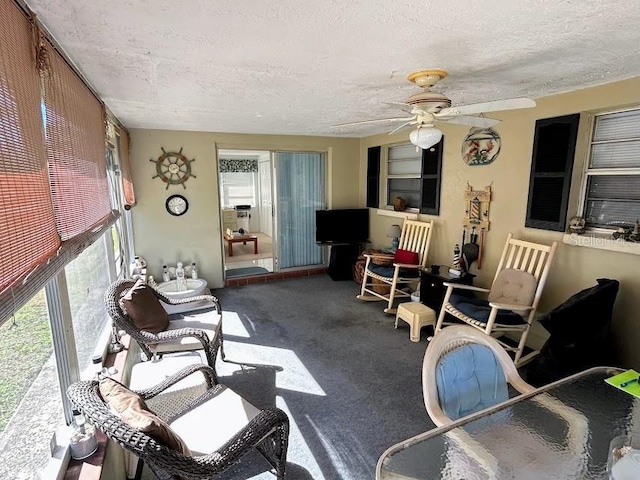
{"x": 230, "y": 248}
{"x": 255, "y": 246}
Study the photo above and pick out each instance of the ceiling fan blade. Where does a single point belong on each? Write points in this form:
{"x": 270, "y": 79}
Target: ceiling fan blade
{"x": 381, "y": 120}
{"x": 497, "y": 105}
{"x": 404, "y": 106}
{"x": 481, "y": 122}
{"x": 404, "y": 125}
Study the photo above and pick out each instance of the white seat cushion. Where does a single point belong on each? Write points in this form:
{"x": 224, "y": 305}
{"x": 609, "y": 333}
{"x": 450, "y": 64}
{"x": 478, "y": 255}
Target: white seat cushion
{"x": 206, "y": 320}
{"x": 212, "y": 423}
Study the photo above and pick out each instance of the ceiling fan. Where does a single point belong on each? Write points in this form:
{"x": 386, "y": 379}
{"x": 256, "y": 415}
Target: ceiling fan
{"x": 428, "y": 107}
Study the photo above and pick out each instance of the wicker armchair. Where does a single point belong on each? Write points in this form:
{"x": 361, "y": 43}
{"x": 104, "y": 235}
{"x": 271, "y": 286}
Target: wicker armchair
{"x": 267, "y": 430}
{"x": 205, "y": 334}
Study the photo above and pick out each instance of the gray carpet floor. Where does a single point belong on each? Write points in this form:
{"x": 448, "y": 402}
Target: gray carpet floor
{"x": 349, "y": 382}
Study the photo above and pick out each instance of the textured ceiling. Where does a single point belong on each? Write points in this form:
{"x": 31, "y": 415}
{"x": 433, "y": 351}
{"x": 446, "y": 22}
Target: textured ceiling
{"x": 297, "y": 67}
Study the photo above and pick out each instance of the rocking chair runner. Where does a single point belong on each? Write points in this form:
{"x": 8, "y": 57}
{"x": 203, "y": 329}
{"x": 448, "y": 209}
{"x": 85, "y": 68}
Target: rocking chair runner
{"x": 410, "y": 257}
{"x": 513, "y": 297}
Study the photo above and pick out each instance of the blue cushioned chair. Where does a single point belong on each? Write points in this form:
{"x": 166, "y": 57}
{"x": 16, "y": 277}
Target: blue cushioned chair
{"x": 465, "y": 371}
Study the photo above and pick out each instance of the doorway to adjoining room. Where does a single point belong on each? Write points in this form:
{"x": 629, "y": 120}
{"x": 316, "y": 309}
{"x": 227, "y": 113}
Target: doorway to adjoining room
{"x": 247, "y": 212}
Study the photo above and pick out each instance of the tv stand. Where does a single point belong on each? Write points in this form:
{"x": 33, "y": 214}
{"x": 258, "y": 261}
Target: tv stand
{"x": 341, "y": 260}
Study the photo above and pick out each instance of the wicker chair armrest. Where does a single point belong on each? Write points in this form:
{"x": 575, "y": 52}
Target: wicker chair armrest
{"x": 509, "y": 306}
{"x": 170, "y": 335}
{"x": 253, "y": 433}
{"x": 461, "y": 286}
{"x": 182, "y": 301}
{"x": 207, "y": 371}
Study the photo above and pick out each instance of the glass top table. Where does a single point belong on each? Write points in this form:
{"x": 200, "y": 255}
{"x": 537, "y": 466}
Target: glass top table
{"x": 559, "y": 431}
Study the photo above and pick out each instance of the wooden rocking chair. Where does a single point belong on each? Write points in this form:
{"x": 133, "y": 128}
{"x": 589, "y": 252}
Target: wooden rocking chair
{"x": 512, "y": 300}
{"x": 401, "y": 268}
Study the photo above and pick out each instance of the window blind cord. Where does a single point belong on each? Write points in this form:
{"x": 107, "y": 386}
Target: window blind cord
{"x": 13, "y": 310}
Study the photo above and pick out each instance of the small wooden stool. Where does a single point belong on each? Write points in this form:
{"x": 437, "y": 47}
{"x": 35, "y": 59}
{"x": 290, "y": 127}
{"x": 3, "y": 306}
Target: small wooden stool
{"x": 417, "y": 315}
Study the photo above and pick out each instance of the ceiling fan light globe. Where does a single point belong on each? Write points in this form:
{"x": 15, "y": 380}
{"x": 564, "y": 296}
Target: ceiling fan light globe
{"x": 425, "y": 137}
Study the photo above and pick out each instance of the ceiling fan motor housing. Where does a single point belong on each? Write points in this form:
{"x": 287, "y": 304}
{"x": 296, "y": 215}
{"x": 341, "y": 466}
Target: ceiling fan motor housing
{"x": 429, "y": 101}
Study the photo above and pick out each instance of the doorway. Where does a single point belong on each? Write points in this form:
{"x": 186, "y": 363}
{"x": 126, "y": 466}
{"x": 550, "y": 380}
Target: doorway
{"x": 247, "y": 220}
{"x": 268, "y": 202}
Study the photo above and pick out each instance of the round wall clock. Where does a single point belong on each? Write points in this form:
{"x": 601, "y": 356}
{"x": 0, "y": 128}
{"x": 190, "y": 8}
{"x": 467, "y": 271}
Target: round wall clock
{"x": 173, "y": 168}
{"x": 176, "y": 205}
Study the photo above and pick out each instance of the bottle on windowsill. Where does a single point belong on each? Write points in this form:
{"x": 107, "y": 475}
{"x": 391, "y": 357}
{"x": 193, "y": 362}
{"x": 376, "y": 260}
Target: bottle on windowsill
{"x": 165, "y": 274}
{"x": 194, "y": 270}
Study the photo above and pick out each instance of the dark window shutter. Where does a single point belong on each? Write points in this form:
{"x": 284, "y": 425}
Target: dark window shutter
{"x": 554, "y": 146}
{"x": 373, "y": 177}
{"x": 431, "y": 176}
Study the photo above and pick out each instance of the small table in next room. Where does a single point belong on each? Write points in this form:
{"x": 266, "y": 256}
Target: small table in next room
{"x": 249, "y": 238}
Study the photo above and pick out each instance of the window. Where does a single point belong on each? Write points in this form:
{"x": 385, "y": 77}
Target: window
{"x": 415, "y": 176}
{"x": 612, "y": 181}
{"x": 238, "y": 188}
{"x": 28, "y": 384}
{"x": 87, "y": 279}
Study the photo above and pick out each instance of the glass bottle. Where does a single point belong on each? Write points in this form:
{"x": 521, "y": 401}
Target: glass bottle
{"x": 194, "y": 270}
{"x": 165, "y": 274}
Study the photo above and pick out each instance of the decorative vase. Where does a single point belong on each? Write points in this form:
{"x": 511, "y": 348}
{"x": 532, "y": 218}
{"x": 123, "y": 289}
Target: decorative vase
{"x": 399, "y": 204}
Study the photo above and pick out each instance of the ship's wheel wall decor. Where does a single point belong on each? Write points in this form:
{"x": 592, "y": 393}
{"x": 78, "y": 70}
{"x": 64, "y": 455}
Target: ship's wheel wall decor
{"x": 173, "y": 168}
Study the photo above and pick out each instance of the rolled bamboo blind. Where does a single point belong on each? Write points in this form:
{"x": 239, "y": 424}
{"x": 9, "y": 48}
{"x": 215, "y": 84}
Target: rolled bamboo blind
{"x": 53, "y": 185}
{"x": 75, "y": 145}
{"x": 28, "y": 235}
{"x": 125, "y": 167}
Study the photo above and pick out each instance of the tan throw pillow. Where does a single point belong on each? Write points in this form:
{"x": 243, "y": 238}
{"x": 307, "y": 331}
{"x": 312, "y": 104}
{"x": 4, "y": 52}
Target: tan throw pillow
{"x": 119, "y": 397}
{"x": 134, "y": 412}
{"x": 514, "y": 287}
{"x": 145, "y": 309}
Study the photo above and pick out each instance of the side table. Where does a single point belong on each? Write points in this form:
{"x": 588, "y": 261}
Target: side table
{"x": 432, "y": 289}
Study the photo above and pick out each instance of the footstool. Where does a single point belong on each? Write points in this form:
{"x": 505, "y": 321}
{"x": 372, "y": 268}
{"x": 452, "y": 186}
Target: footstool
{"x": 417, "y": 315}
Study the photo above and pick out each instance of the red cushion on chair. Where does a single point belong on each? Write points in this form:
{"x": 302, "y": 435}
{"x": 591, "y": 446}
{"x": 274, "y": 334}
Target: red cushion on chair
{"x": 407, "y": 257}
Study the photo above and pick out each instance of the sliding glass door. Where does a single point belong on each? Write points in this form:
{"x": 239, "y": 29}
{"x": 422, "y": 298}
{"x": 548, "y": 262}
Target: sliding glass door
{"x": 300, "y": 187}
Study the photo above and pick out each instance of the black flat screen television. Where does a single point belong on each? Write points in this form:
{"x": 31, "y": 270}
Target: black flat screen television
{"x": 349, "y": 225}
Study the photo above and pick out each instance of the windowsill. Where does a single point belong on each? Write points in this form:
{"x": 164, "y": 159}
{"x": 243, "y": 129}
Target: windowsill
{"x": 91, "y": 467}
{"x": 393, "y": 213}
{"x": 601, "y": 242}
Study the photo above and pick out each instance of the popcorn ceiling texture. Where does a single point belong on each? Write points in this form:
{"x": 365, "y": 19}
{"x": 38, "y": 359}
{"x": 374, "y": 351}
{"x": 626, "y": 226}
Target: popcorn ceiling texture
{"x": 297, "y": 67}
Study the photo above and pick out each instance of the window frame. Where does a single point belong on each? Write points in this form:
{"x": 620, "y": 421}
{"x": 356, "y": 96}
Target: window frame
{"x": 226, "y": 200}
{"x": 385, "y": 199}
{"x": 588, "y": 172}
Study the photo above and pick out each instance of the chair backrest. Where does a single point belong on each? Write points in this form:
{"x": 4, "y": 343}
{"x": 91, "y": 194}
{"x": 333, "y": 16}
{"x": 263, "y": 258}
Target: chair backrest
{"x": 476, "y": 358}
{"x": 120, "y": 318}
{"x": 112, "y": 298}
{"x": 85, "y": 397}
{"x": 532, "y": 258}
{"x": 415, "y": 237}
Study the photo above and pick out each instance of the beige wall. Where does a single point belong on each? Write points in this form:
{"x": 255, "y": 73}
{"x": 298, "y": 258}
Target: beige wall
{"x": 196, "y": 236}
{"x": 575, "y": 268}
